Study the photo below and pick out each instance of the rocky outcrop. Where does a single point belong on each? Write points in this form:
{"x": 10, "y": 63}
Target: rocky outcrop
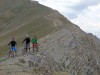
{"x": 79, "y": 55}
{"x": 63, "y": 51}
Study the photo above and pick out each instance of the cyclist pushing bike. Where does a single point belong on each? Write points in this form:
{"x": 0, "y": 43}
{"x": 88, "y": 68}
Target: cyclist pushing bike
{"x": 34, "y": 43}
{"x": 26, "y": 43}
{"x": 12, "y": 45}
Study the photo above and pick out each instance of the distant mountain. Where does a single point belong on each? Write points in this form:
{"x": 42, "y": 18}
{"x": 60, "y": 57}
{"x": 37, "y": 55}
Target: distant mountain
{"x": 63, "y": 46}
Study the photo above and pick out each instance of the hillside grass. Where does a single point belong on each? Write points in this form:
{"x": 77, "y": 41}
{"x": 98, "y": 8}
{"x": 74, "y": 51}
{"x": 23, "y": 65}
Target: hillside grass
{"x": 25, "y": 17}
{"x": 17, "y": 20}
{"x": 60, "y": 73}
{"x": 39, "y": 28}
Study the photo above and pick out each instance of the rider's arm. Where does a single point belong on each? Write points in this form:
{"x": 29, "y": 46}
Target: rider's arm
{"x": 23, "y": 40}
{"x": 9, "y": 43}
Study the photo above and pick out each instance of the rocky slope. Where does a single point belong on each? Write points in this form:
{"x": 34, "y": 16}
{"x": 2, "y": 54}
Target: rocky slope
{"x": 61, "y": 52}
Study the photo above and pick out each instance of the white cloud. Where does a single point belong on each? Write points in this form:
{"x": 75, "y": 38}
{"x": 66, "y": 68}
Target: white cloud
{"x": 63, "y": 6}
{"x": 69, "y": 8}
{"x": 89, "y": 20}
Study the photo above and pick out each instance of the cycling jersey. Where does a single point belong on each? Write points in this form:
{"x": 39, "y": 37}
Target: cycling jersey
{"x": 34, "y": 40}
{"x": 12, "y": 43}
{"x": 26, "y": 40}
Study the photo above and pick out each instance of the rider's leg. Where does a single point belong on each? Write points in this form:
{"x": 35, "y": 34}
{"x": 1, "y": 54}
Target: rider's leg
{"x": 29, "y": 47}
{"x": 33, "y": 47}
{"x": 26, "y": 50}
{"x": 37, "y": 48}
{"x": 12, "y": 51}
{"x": 15, "y": 53}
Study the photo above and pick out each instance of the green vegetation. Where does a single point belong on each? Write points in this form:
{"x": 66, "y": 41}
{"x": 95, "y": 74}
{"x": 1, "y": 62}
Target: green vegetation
{"x": 1, "y": 59}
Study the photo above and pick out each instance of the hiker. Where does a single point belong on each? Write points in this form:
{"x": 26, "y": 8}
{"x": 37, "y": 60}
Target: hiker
{"x": 26, "y": 42}
{"x": 12, "y": 45}
{"x": 34, "y": 43}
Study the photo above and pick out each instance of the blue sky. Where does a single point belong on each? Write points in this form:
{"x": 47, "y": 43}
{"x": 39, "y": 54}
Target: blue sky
{"x": 84, "y": 13}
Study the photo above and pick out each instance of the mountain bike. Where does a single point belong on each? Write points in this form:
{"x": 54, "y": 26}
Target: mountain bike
{"x": 25, "y": 48}
{"x": 10, "y": 53}
{"x": 35, "y": 48}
